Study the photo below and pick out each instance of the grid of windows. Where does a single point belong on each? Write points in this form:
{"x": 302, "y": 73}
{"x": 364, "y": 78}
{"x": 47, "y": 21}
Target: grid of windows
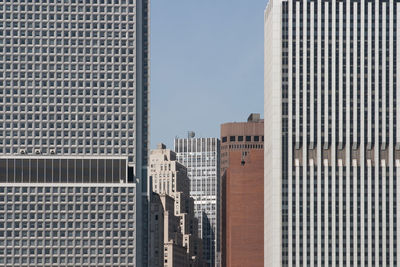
{"x": 67, "y": 77}
{"x": 201, "y": 156}
{"x": 67, "y": 225}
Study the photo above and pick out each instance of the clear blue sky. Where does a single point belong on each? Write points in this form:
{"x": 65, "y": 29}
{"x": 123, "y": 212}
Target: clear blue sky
{"x": 206, "y": 65}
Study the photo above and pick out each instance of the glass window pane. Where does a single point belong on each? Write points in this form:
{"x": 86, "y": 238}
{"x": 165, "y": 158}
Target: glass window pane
{"x": 34, "y": 171}
{"x": 49, "y": 171}
{"x": 86, "y": 171}
{"x": 56, "y": 170}
{"x": 93, "y": 167}
{"x": 3, "y": 170}
{"x": 116, "y": 177}
{"x": 18, "y": 170}
{"x": 41, "y": 170}
{"x": 109, "y": 173}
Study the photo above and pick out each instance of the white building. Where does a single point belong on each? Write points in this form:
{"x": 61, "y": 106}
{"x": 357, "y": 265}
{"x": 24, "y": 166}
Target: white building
{"x": 332, "y": 159}
{"x": 201, "y": 156}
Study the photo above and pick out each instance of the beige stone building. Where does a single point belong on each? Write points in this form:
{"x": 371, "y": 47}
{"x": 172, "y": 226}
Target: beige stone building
{"x": 170, "y": 181}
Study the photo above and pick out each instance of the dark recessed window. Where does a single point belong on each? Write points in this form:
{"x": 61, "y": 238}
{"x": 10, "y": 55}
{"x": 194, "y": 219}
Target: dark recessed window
{"x": 248, "y": 138}
{"x": 232, "y": 138}
{"x": 240, "y": 138}
{"x": 224, "y": 139}
{"x": 256, "y": 138}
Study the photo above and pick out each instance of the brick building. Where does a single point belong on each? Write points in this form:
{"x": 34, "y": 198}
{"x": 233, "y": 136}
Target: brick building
{"x": 242, "y": 183}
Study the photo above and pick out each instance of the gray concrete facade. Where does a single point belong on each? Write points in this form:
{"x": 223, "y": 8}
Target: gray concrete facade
{"x": 74, "y": 81}
{"x": 70, "y": 224}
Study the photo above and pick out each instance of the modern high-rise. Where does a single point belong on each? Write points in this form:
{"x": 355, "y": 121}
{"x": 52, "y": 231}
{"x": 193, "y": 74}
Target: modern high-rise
{"x": 332, "y": 158}
{"x": 74, "y": 81}
{"x": 242, "y": 192}
{"x": 201, "y": 156}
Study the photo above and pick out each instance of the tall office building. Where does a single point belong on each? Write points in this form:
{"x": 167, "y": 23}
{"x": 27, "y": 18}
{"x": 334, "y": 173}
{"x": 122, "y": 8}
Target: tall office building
{"x": 201, "y": 156}
{"x": 74, "y": 81}
{"x": 242, "y": 180}
{"x": 332, "y": 158}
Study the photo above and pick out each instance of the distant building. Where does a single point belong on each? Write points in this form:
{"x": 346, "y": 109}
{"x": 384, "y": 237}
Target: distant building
{"x": 169, "y": 180}
{"x": 244, "y": 225}
{"x": 241, "y": 136}
{"x": 241, "y": 181}
{"x": 201, "y": 156}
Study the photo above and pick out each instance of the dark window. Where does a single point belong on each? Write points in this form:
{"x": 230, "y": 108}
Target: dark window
{"x": 224, "y": 139}
{"x": 109, "y": 170}
{"x": 86, "y": 171}
{"x": 18, "y": 170}
{"x": 25, "y": 169}
{"x": 71, "y": 171}
{"x": 41, "y": 170}
{"x": 93, "y": 166}
{"x": 101, "y": 171}
{"x": 56, "y": 172}
{"x": 232, "y": 138}
{"x": 49, "y": 171}
{"x": 34, "y": 171}
{"x": 11, "y": 171}
{"x": 78, "y": 171}
{"x": 256, "y": 138}
{"x": 115, "y": 171}
{"x": 240, "y": 138}
{"x": 248, "y": 138}
{"x": 3, "y": 170}
{"x": 123, "y": 169}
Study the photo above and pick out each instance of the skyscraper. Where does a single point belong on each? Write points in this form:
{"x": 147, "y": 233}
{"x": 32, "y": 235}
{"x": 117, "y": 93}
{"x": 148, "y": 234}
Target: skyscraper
{"x": 332, "y": 144}
{"x": 74, "y": 81}
{"x": 201, "y": 156}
